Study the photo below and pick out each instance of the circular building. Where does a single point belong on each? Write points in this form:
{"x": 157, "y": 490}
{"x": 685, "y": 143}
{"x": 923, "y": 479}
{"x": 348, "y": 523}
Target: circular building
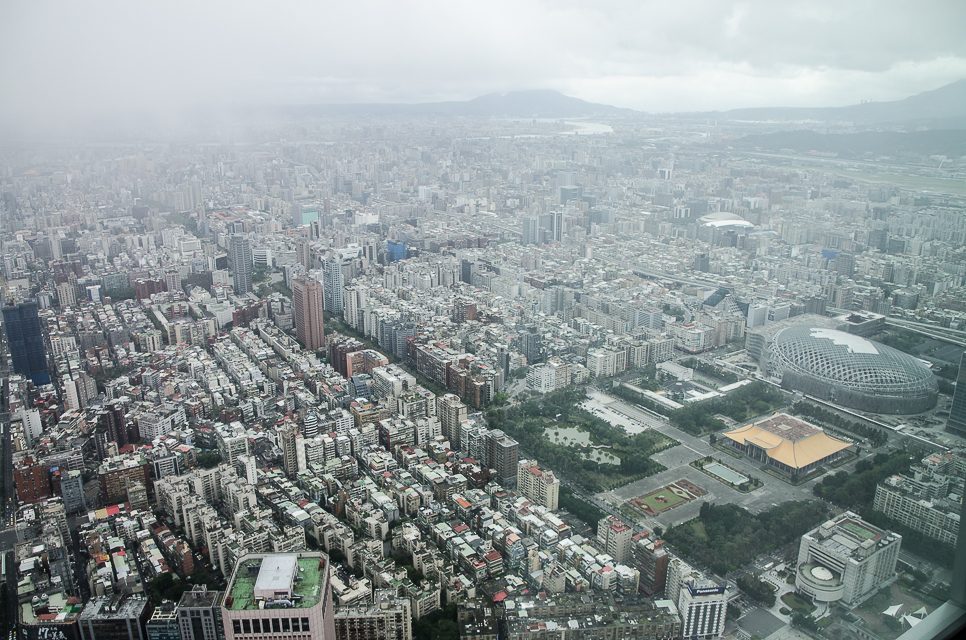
{"x": 819, "y": 582}
{"x": 852, "y": 371}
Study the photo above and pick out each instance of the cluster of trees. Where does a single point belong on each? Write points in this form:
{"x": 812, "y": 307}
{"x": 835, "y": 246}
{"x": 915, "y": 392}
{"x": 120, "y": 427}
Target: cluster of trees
{"x": 185, "y": 219}
{"x": 261, "y": 273}
{"x": 803, "y": 621}
{"x": 757, "y": 589}
{"x": 741, "y": 404}
{"x": 948, "y": 371}
{"x": 901, "y": 339}
{"x": 438, "y": 625}
{"x": 817, "y": 414}
{"x": 579, "y": 507}
{"x": 945, "y": 386}
{"x": 727, "y": 537}
{"x": 710, "y": 370}
{"x": 698, "y": 418}
{"x": 634, "y": 397}
{"x": 208, "y": 459}
{"x": 125, "y": 293}
{"x": 404, "y": 561}
{"x": 526, "y": 422}
{"x": 111, "y": 373}
{"x": 857, "y": 489}
{"x": 648, "y": 378}
{"x": 169, "y": 586}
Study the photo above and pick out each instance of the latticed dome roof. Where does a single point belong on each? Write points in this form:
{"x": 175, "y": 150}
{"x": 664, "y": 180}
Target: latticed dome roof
{"x": 843, "y": 359}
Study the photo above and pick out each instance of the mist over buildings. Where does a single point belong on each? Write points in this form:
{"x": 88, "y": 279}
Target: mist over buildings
{"x": 72, "y": 63}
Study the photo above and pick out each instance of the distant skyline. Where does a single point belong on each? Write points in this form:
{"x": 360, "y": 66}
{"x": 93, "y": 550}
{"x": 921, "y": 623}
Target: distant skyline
{"x": 73, "y": 60}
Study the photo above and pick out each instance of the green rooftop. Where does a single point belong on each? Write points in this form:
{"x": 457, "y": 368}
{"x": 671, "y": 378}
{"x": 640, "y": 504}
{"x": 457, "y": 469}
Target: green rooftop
{"x": 307, "y": 589}
{"x": 857, "y": 529}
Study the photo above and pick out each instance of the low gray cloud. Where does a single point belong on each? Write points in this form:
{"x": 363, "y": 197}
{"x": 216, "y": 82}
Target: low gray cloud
{"x": 68, "y": 58}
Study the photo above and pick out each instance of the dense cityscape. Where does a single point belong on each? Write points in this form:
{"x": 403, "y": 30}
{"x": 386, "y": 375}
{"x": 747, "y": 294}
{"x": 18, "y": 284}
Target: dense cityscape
{"x": 385, "y": 377}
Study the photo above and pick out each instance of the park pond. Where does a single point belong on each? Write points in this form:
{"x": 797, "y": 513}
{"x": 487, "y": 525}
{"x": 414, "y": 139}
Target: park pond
{"x": 575, "y": 437}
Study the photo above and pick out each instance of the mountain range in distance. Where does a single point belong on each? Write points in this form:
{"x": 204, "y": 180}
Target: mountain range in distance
{"x": 536, "y": 103}
{"x": 942, "y": 108}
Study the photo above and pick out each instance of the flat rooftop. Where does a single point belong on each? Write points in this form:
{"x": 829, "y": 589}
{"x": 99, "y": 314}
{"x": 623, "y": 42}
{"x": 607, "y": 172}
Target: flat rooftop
{"x": 276, "y": 576}
{"x": 260, "y": 578}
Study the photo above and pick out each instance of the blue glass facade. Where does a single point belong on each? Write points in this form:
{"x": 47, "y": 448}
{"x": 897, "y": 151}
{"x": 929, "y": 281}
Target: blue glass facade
{"x": 397, "y": 250}
{"x": 25, "y": 340}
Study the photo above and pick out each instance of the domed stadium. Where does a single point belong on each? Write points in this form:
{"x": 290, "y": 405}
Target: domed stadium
{"x": 852, "y": 371}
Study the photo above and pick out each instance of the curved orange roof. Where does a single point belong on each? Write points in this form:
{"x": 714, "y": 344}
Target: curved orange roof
{"x": 795, "y": 454}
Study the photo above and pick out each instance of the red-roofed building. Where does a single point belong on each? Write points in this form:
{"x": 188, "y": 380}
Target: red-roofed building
{"x": 615, "y": 539}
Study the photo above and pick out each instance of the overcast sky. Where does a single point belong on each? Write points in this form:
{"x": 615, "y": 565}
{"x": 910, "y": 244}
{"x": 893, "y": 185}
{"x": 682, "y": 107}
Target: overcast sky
{"x": 672, "y": 55}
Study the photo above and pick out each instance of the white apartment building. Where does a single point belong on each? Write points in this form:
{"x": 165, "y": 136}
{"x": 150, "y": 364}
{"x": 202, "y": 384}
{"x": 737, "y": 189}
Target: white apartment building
{"x": 603, "y": 363}
{"x": 540, "y": 485}
{"x": 549, "y": 376}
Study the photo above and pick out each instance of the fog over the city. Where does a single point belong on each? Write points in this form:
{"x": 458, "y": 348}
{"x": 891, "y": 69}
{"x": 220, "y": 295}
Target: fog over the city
{"x": 64, "y": 60}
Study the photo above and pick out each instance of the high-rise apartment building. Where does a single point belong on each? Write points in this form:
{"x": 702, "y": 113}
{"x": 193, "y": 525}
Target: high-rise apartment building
{"x": 307, "y": 310}
{"x": 540, "y": 485}
{"x": 289, "y": 442}
{"x": 556, "y": 226}
{"x": 354, "y": 300}
{"x": 389, "y": 617}
{"x": 651, "y": 560}
{"x": 531, "y": 230}
{"x": 549, "y": 376}
{"x": 242, "y": 263}
{"x": 502, "y": 454}
{"x": 956, "y": 422}
{"x": 615, "y": 539}
{"x": 334, "y": 286}
{"x": 451, "y": 412}
{"x": 280, "y": 594}
{"x": 25, "y": 339}
{"x": 72, "y": 491}
{"x": 199, "y": 615}
{"x": 531, "y": 345}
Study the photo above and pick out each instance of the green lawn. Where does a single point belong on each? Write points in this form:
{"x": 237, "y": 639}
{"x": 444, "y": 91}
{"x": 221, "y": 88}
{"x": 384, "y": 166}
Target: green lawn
{"x": 660, "y": 500}
{"x": 798, "y": 603}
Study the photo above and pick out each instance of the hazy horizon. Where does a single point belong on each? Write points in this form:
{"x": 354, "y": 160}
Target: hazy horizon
{"x": 70, "y": 62}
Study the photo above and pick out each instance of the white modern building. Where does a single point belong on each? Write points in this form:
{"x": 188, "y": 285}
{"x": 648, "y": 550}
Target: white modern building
{"x": 702, "y": 603}
{"x": 846, "y": 559}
